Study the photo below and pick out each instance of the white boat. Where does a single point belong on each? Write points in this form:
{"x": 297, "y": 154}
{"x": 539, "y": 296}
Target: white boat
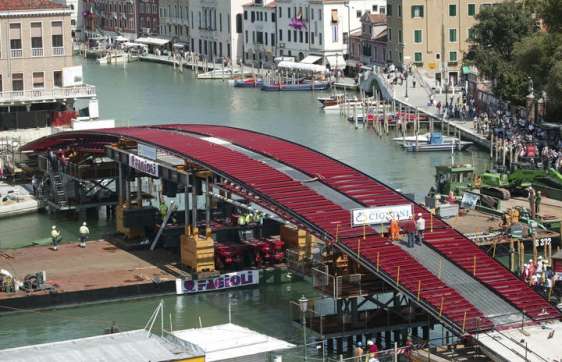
{"x": 436, "y": 143}
{"x": 339, "y": 106}
{"x": 423, "y": 138}
{"x": 116, "y": 58}
{"x": 224, "y": 73}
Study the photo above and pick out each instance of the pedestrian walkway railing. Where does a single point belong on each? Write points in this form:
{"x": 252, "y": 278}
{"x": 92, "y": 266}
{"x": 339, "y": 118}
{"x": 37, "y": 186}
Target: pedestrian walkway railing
{"x": 337, "y": 286}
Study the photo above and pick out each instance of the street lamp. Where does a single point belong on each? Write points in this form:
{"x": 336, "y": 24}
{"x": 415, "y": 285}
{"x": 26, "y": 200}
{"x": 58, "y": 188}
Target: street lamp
{"x": 303, "y": 305}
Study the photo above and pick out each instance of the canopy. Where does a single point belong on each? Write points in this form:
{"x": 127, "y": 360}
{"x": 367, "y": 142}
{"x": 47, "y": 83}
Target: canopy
{"x": 180, "y": 45}
{"x": 314, "y": 68}
{"x": 311, "y": 59}
{"x": 153, "y": 41}
{"x": 121, "y": 38}
{"x": 133, "y": 45}
{"x": 336, "y": 61}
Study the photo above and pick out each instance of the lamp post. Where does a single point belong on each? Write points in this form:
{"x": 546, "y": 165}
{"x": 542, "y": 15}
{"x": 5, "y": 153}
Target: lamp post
{"x": 303, "y": 305}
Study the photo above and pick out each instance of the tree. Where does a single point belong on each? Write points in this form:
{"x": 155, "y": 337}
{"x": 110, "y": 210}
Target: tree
{"x": 499, "y": 27}
{"x": 551, "y": 13}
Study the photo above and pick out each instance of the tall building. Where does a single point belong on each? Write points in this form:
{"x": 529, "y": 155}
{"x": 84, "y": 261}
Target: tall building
{"x": 216, "y": 28}
{"x": 368, "y": 45}
{"x": 129, "y": 18}
{"x": 174, "y": 20}
{"x": 76, "y": 17}
{"x": 38, "y": 80}
{"x": 304, "y": 28}
{"x": 433, "y": 35}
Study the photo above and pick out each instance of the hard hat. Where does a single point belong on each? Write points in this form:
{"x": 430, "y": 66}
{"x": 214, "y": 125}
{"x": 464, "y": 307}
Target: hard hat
{"x": 540, "y": 257}
{"x": 84, "y": 223}
{"x": 369, "y": 343}
{"x": 359, "y": 344}
{"x": 419, "y": 214}
{"x": 530, "y": 260}
{"x": 53, "y": 227}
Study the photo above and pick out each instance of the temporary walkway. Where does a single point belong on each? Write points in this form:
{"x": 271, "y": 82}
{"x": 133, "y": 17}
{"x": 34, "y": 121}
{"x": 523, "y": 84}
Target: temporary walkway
{"x": 450, "y": 277}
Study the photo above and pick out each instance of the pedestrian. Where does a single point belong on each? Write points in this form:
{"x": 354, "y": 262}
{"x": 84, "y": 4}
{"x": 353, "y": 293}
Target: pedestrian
{"x": 84, "y": 232}
{"x": 373, "y": 349}
{"x": 531, "y": 198}
{"x": 413, "y": 82}
{"x": 411, "y": 224}
{"x": 163, "y": 210}
{"x": 420, "y": 228}
{"x": 35, "y": 184}
{"x": 538, "y": 199}
{"x": 358, "y": 352}
{"x": 56, "y": 236}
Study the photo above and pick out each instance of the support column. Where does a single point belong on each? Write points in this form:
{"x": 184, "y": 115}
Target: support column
{"x": 120, "y": 187}
{"x": 208, "y": 202}
{"x": 139, "y": 191}
{"x": 186, "y": 201}
{"x": 194, "y": 204}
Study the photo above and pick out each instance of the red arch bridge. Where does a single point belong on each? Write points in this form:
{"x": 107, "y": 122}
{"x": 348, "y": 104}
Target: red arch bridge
{"x": 316, "y": 192}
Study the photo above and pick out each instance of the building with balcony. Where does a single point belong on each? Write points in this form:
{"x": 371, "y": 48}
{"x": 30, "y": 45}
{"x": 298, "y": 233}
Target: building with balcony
{"x": 260, "y": 33}
{"x": 318, "y": 28}
{"x": 115, "y": 16}
{"x": 216, "y": 28}
{"x": 174, "y": 20}
{"x": 76, "y": 17}
{"x": 431, "y": 35}
{"x": 368, "y": 45}
{"x": 39, "y": 82}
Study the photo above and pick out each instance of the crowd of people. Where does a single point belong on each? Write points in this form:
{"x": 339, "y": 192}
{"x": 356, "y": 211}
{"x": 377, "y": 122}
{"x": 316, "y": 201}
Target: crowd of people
{"x": 539, "y": 275}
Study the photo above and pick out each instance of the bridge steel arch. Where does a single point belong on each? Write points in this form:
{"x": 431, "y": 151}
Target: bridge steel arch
{"x": 282, "y": 194}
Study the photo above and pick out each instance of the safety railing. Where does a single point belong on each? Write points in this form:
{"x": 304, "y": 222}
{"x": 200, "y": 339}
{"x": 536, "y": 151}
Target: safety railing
{"x": 58, "y": 51}
{"x": 80, "y": 91}
{"x": 16, "y": 53}
{"x": 36, "y": 52}
{"x": 337, "y": 286}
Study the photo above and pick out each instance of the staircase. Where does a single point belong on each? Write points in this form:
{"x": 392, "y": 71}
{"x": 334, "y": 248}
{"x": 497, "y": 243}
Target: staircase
{"x": 59, "y": 196}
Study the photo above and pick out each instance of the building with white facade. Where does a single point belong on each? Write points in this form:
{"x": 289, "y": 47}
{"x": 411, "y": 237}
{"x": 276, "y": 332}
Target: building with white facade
{"x": 306, "y": 27}
{"x": 260, "y": 33}
{"x": 174, "y": 20}
{"x": 216, "y": 28}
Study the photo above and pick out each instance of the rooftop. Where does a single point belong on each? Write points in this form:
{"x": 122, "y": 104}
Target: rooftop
{"x": 14, "y": 5}
{"x": 235, "y": 341}
{"x": 135, "y": 345}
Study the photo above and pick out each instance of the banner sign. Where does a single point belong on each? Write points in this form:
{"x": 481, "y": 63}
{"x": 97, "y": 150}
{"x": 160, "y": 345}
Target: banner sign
{"x": 143, "y": 165}
{"x": 469, "y": 200}
{"x": 380, "y": 215}
{"x": 225, "y": 281}
{"x": 146, "y": 151}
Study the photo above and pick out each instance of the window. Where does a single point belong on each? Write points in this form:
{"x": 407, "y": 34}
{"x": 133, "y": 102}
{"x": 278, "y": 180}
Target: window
{"x": 280, "y": 11}
{"x": 417, "y": 11}
{"x": 358, "y": 13}
{"x": 452, "y": 10}
{"x": 288, "y": 35}
{"x": 375, "y": 8}
{"x": 452, "y": 35}
{"x": 320, "y": 38}
{"x": 273, "y": 18}
{"x": 334, "y": 33}
{"x": 57, "y": 40}
{"x": 471, "y": 34}
{"x": 289, "y": 12}
{"x": 295, "y": 36}
{"x": 335, "y": 16}
{"x": 471, "y": 9}
{"x": 382, "y": 10}
{"x": 259, "y": 37}
{"x": 1, "y": 88}
{"x": 320, "y": 15}
{"x": 246, "y": 36}
{"x": 389, "y": 34}
{"x": 417, "y": 57}
{"x": 418, "y": 36}
{"x": 15, "y": 40}
{"x": 300, "y": 37}
{"x": 389, "y": 9}
{"x": 253, "y": 16}
{"x": 312, "y": 38}
{"x": 400, "y": 11}
{"x": 306, "y": 37}
{"x": 38, "y": 80}
{"x": 280, "y": 35}
{"x": 272, "y": 39}
{"x": 437, "y": 56}
{"x": 400, "y": 36}
{"x": 453, "y": 57}
{"x": 17, "y": 82}
{"x": 36, "y": 38}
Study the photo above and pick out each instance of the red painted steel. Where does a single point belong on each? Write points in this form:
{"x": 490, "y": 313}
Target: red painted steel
{"x": 370, "y": 192}
{"x": 296, "y": 201}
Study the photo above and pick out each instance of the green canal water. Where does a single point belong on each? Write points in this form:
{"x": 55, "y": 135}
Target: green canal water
{"x": 144, "y": 93}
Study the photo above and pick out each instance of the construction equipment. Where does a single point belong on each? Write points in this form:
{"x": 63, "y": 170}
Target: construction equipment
{"x": 455, "y": 178}
{"x": 495, "y": 184}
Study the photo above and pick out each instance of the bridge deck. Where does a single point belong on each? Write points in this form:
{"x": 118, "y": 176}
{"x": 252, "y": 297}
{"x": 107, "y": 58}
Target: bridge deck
{"x": 302, "y": 203}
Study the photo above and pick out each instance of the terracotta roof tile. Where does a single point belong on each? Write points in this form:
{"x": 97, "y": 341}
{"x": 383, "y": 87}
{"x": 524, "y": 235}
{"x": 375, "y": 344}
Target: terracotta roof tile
{"x": 377, "y": 18}
{"x": 7, "y": 5}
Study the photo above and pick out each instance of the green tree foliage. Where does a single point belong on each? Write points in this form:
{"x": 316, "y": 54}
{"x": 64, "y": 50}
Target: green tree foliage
{"x": 509, "y": 49}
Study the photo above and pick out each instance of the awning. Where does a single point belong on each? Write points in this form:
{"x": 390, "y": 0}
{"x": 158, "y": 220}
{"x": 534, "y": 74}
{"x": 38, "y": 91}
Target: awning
{"x": 153, "y": 41}
{"x": 311, "y": 59}
{"x": 313, "y": 68}
{"x": 336, "y": 61}
{"x": 179, "y": 45}
{"x": 121, "y": 38}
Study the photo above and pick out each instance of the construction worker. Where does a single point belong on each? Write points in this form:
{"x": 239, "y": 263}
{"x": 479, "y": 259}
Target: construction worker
{"x": 163, "y": 210}
{"x": 248, "y": 219}
{"x": 538, "y": 199}
{"x": 394, "y": 229}
{"x": 56, "y": 237}
{"x": 84, "y": 232}
{"x": 241, "y": 220}
{"x": 420, "y": 228}
{"x": 515, "y": 216}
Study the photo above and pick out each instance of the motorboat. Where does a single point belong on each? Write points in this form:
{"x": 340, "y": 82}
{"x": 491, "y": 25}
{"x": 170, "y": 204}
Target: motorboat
{"x": 423, "y": 138}
{"x": 335, "y": 99}
{"x": 223, "y": 73}
{"x": 116, "y": 58}
{"x": 247, "y": 83}
{"x": 436, "y": 143}
{"x": 305, "y": 86}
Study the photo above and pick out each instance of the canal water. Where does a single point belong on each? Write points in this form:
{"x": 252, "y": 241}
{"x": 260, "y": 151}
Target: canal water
{"x": 146, "y": 93}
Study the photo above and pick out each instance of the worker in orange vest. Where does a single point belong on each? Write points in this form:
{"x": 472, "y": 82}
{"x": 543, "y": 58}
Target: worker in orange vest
{"x": 394, "y": 229}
